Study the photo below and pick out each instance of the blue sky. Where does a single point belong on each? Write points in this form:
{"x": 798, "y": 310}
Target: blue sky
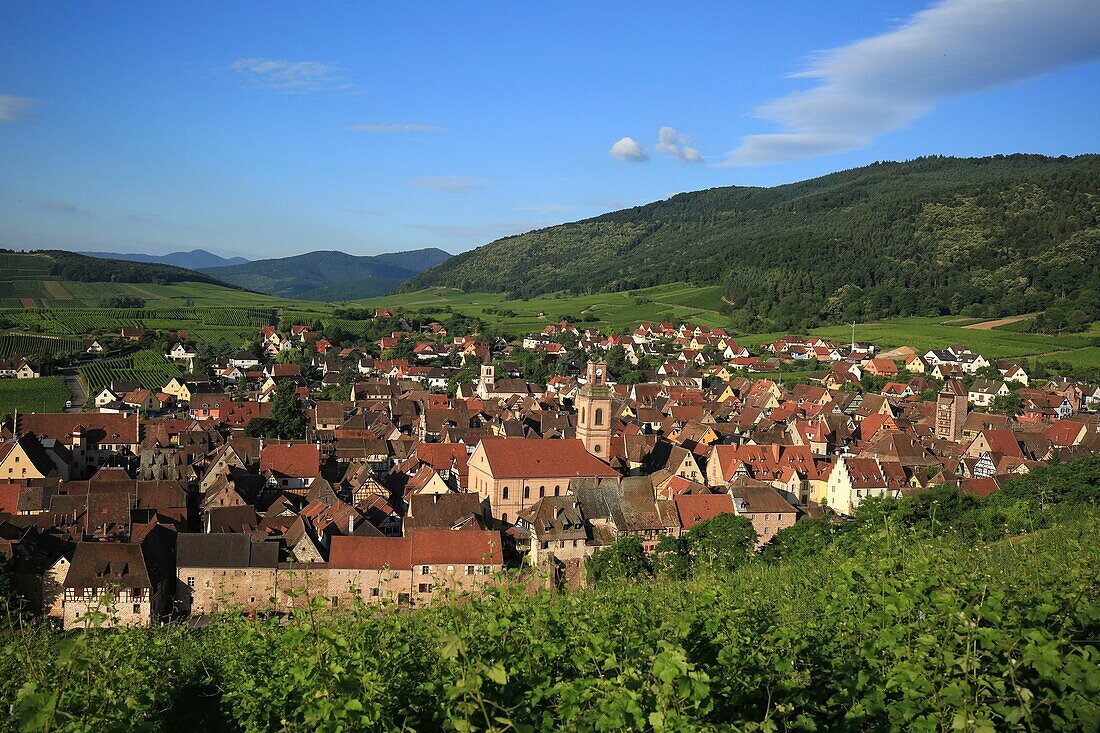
{"x": 270, "y": 129}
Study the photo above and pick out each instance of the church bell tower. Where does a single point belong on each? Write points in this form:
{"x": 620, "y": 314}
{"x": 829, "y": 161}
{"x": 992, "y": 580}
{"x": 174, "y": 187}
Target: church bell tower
{"x": 594, "y": 411}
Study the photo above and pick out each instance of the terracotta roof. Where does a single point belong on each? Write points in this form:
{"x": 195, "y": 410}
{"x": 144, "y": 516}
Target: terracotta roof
{"x": 101, "y": 427}
{"x": 299, "y": 460}
{"x": 448, "y": 547}
{"x": 695, "y": 508}
{"x": 536, "y": 458}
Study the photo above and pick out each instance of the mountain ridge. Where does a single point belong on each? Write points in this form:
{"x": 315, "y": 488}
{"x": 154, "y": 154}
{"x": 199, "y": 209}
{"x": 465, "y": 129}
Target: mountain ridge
{"x": 330, "y": 274}
{"x": 991, "y": 236}
{"x": 196, "y": 259}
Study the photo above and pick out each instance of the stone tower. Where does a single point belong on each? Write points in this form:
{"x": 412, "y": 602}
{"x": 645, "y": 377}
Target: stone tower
{"x": 951, "y": 411}
{"x": 594, "y": 411}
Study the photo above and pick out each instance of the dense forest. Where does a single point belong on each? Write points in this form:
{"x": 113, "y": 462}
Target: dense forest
{"x": 73, "y": 266}
{"x": 936, "y": 612}
{"x": 983, "y": 237}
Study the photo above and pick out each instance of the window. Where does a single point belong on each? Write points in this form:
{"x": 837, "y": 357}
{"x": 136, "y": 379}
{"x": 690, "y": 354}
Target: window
{"x": 504, "y": 493}
{"x": 375, "y": 592}
{"x": 335, "y": 601}
{"x": 542, "y": 491}
{"x": 599, "y": 416}
{"x": 557, "y": 490}
{"x": 137, "y": 608}
{"x": 469, "y": 569}
{"x": 526, "y": 492}
{"x": 425, "y": 570}
{"x": 425, "y": 587}
{"x": 191, "y": 581}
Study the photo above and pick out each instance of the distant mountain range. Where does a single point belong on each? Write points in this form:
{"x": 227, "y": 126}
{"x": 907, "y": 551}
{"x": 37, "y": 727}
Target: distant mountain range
{"x": 196, "y": 259}
{"x": 329, "y": 275}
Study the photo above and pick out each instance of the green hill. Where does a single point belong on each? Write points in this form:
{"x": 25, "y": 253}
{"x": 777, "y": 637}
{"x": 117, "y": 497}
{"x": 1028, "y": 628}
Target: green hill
{"x": 983, "y": 237}
{"x": 39, "y": 279}
{"x": 330, "y": 275}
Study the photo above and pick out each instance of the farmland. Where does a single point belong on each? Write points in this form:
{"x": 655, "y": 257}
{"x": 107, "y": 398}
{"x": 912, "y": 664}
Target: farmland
{"x": 212, "y": 313}
{"x": 45, "y": 394}
{"x": 701, "y": 305}
{"x": 146, "y": 367}
{"x": 26, "y": 344}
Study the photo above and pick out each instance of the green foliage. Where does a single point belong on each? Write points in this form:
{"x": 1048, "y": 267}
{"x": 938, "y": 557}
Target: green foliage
{"x": 986, "y": 237}
{"x": 626, "y": 559}
{"x": 721, "y": 544}
{"x": 288, "y": 419}
{"x": 124, "y": 301}
{"x": 45, "y": 394}
{"x": 908, "y": 634}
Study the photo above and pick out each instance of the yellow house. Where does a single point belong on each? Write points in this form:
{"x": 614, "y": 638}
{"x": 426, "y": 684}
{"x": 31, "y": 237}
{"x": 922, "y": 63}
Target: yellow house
{"x": 25, "y": 459}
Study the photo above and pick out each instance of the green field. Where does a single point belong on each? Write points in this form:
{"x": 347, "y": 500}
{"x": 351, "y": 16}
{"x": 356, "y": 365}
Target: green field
{"x": 150, "y": 369}
{"x": 45, "y": 394}
{"x": 27, "y": 344}
{"x": 213, "y": 313}
{"x": 677, "y": 303}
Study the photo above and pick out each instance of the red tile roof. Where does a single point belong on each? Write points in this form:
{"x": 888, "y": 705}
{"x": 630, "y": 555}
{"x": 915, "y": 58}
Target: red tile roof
{"x": 293, "y": 459}
{"x": 537, "y": 458}
{"x": 696, "y": 508}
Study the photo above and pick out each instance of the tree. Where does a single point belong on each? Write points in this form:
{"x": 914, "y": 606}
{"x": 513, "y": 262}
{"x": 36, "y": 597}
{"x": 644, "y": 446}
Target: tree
{"x": 672, "y": 558}
{"x": 723, "y": 543}
{"x": 624, "y": 560}
{"x": 1009, "y": 404}
{"x": 288, "y": 419}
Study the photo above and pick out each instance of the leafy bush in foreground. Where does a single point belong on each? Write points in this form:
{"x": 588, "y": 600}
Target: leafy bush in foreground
{"x": 910, "y": 633}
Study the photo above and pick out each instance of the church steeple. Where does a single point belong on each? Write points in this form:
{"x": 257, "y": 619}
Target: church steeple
{"x": 594, "y": 411}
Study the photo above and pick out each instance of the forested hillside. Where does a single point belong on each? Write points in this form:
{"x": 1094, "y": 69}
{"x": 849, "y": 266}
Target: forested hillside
{"x": 980, "y": 236}
{"x": 64, "y": 265}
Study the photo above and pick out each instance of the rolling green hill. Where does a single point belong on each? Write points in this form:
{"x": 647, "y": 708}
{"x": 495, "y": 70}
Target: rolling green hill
{"x": 982, "y": 237}
{"x": 330, "y": 275}
{"x": 49, "y": 277}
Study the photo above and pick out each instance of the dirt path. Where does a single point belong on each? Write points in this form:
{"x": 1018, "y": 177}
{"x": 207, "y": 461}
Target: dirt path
{"x": 989, "y": 325}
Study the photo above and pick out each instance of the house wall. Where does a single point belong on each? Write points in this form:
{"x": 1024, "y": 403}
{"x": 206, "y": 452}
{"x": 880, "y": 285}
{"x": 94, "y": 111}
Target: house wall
{"x": 201, "y": 591}
{"x": 120, "y": 608}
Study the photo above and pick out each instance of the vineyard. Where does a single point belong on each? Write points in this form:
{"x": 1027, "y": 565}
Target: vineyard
{"x": 904, "y": 626}
{"x": 148, "y": 368}
{"x": 26, "y": 344}
{"x": 96, "y": 321}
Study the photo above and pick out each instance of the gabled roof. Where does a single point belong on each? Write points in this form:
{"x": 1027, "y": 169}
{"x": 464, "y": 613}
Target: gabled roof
{"x": 106, "y": 565}
{"x": 299, "y": 460}
{"x": 537, "y": 458}
{"x": 224, "y": 551}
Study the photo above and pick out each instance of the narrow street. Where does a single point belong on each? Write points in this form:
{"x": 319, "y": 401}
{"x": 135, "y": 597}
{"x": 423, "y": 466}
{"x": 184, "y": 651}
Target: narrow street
{"x": 76, "y": 389}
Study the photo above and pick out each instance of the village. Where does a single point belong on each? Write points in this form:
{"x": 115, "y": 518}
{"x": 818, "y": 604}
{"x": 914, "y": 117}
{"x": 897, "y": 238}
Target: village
{"x": 430, "y": 463}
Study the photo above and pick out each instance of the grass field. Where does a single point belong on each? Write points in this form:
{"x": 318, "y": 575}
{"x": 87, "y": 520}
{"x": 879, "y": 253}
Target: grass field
{"x": 678, "y": 303}
{"x": 212, "y": 313}
{"x": 45, "y": 394}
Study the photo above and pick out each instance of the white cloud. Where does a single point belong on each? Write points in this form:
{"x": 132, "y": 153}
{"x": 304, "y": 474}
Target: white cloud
{"x": 292, "y": 76}
{"x": 395, "y": 127}
{"x": 16, "y": 109}
{"x": 450, "y": 184}
{"x": 629, "y": 150}
{"x": 670, "y": 142}
{"x": 884, "y": 83}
